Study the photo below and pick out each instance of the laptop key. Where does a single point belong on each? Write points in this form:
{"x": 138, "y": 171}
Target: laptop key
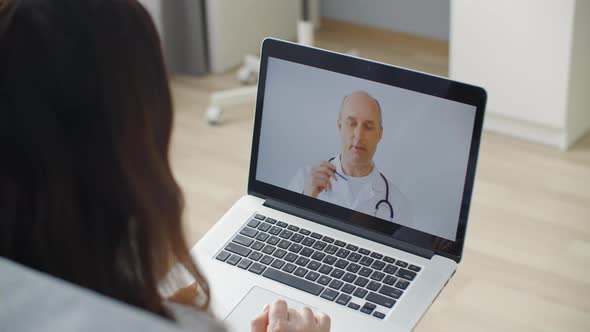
{"x": 257, "y": 268}
{"x": 343, "y": 299}
{"x": 331, "y": 249}
{"x": 291, "y": 257}
{"x": 284, "y": 244}
{"x": 300, "y": 272}
{"x": 282, "y": 224}
{"x": 255, "y": 256}
{"x": 302, "y": 261}
{"x": 306, "y": 252}
{"x": 339, "y": 243}
{"x": 414, "y": 268}
{"x": 273, "y": 240}
{"x": 373, "y": 285}
{"x": 376, "y": 255}
{"x": 319, "y": 245}
{"x": 352, "y": 247}
{"x": 253, "y": 223}
{"x": 349, "y": 277}
{"x": 406, "y": 274}
{"x": 297, "y": 238}
{"x": 360, "y": 281}
{"x": 402, "y": 284}
{"x": 401, "y": 263}
{"x": 259, "y": 216}
{"x": 268, "y": 249}
{"x": 380, "y": 300}
{"x": 378, "y": 276}
{"x": 368, "y": 308}
{"x": 257, "y": 245}
{"x": 330, "y": 260}
{"x": 275, "y": 230}
{"x": 353, "y": 268}
{"x": 246, "y": 242}
{"x": 360, "y": 293}
{"x": 304, "y": 231}
{"x": 390, "y": 291}
{"x": 377, "y": 265}
{"x": 293, "y": 228}
{"x": 222, "y": 256}
{"x": 324, "y": 280}
{"x": 249, "y": 232}
{"x": 313, "y": 276}
{"x": 279, "y": 253}
{"x": 353, "y": 306}
{"x": 390, "y": 269}
{"x": 296, "y": 248}
{"x": 341, "y": 264}
{"x": 262, "y": 236}
{"x": 390, "y": 280}
{"x": 285, "y": 234}
{"x": 354, "y": 257}
{"x": 244, "y": 263}
{"x": 266, "y": 260}
{"x": 342, "y": 253}
{"x": 364, "y": 251}
{"x": 365, "y": 272}
{"x": 329, "y": 294}
{"x": 293, "y": 281}
{"x": 233, "y": 260}
{"x": 328, "y": 239}
{"x": 366, "y": 261}
{"x": 326, "y": 269}
{"x": 313, "y": 265}
{"x": 379, "y": 315}
{"x": 238, "y": 249}
{"x": 277, "y": 264}
{"x": 271, "y": 220}
{"x": 348, "y": 288}
{"x": 318, "y": 255}
{"x": 308, "y": 242}
{"x": 316, "y": 235}
{"x": 289, "y": 268}
{"x": 389, "y": 260}
{"x": 337, "y": 273}
{"x": 264, "y": 227}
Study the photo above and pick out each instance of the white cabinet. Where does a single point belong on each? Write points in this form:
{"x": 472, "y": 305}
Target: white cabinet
{"x": 532, "y": 57}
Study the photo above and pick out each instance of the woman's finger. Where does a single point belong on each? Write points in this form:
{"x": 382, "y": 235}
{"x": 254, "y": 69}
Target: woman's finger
{"x": 260, "y": 322}
{"x": 323, "y": 321}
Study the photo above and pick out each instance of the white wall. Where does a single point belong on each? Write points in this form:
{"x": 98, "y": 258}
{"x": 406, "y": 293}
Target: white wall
{"x": 427, "y": 18}
{"x": 236, "y": 28}
{"x": 578, "y": 119}
{"x": 520, "y": 52}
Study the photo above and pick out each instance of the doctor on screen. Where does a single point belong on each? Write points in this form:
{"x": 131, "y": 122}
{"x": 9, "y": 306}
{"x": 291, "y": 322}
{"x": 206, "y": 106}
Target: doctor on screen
{"x": 350, "y": 178}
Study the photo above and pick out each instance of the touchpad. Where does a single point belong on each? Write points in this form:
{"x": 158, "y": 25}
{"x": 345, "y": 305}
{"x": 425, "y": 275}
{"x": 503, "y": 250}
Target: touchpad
{"x": 251, "y": 305}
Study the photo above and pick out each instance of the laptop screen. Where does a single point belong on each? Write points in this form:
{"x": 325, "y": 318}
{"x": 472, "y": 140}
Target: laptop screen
{"x": 376, "y": 150}
{"x": 373, "y": 148}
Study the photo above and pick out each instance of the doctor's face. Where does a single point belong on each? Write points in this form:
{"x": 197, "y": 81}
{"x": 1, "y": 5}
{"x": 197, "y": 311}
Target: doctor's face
{"x": 360, "y": 128}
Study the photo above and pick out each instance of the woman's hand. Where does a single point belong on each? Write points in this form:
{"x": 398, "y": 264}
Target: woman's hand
{"x": 279, "y": 318}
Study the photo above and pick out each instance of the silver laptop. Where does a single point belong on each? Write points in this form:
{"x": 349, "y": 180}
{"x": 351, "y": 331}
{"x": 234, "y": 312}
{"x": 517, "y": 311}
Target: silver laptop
{"x": 360, "y": 183}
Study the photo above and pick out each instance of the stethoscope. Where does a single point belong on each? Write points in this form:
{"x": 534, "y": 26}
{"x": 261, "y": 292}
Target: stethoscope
{"x": 383, "y": 201}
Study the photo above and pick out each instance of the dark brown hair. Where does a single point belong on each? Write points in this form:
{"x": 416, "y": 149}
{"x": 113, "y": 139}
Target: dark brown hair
{"x": 86, "y": 189}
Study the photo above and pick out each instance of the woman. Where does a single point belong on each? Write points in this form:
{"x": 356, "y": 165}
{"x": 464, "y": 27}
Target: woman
{"x": 86, "y": 189}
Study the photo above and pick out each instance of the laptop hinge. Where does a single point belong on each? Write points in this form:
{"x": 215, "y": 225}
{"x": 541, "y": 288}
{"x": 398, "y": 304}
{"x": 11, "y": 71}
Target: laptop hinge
{"x": 349, "y": 228}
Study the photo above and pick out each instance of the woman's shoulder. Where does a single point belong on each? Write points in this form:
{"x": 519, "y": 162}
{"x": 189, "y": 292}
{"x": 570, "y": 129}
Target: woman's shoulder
{"x": 187, "y": 317}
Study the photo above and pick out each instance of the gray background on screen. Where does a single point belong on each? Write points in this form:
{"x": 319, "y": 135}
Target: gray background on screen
{"x": 423, "y": 151}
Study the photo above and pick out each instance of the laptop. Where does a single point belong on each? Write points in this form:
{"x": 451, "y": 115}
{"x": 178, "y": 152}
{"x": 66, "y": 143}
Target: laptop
{"x": 360, "y": 182}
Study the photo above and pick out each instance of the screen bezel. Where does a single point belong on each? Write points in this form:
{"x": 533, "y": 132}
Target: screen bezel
{"x": 385, "y": 74}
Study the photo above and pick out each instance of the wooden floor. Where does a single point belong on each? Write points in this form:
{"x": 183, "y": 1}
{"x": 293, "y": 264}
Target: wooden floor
{"x": 526, "y": 265}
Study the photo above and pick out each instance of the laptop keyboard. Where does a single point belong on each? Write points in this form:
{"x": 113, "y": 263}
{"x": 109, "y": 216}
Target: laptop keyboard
{"x": 334, "y": 270}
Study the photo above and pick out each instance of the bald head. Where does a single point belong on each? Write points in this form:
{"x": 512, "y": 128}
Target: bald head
{"x": 360, "y": 128}
{"x": 362, "y": 100}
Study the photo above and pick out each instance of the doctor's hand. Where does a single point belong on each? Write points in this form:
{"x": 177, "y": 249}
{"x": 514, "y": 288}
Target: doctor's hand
{"x": 319, "y": 179}
{"x": 279, "y": 318}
